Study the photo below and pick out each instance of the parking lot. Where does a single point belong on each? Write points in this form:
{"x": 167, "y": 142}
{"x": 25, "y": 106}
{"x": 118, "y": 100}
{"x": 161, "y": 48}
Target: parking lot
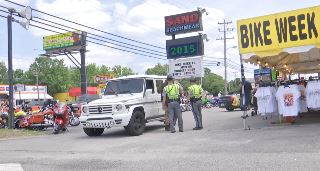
{"x": 222, "y": 145}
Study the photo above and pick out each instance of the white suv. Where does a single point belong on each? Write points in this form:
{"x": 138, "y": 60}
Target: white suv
{"x": 127, "y": 102}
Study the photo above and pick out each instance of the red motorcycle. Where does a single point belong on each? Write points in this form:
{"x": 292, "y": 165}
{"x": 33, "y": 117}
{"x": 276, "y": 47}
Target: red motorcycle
{"x": 61, "y": 118}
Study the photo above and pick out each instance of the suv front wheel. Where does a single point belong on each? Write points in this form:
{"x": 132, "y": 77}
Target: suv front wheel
{"x": 92, "y": 132}
{"x": 136, "y": 124}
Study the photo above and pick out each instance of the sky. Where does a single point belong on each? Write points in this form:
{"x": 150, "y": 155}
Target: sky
{"x": 141, "y": 20}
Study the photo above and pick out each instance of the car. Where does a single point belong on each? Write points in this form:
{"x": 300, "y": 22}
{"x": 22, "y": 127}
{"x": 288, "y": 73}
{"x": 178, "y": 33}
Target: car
{"x": 129, "y": 102}
{"x": 84, "y": 99}
{"x": 230, "y": 101}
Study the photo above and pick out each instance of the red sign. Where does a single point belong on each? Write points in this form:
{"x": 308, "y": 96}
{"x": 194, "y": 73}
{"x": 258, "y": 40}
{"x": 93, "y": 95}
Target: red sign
{"x": 2, "y": 89}
{"x": 183, "y": 23}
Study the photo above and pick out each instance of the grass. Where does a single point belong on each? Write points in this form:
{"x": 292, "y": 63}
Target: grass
{"x": 13, "y": 133}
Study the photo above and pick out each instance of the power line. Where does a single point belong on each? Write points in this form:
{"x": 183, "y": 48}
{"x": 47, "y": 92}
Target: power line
{"x": 100, "y": 36}
{"x": 99, "y": 39}
{"x": 87, "y": 26}
{"x": 100, "y": 43}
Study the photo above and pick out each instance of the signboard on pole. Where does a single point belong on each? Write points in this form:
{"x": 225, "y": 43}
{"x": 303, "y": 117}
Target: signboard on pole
{"x": 185, "y": 47}
{"x": 102, "y": 79}
{"x": 186, "y": 67}
{"x": 67, "y": 41}
{"x": 183, "y": 23}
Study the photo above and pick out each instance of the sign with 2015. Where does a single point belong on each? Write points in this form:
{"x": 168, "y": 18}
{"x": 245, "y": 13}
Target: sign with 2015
{"x": 185, "y": 47}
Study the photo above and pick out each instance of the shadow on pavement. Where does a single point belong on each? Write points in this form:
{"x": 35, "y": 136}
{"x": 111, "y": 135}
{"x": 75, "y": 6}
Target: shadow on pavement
{"x": 120, "y": 132}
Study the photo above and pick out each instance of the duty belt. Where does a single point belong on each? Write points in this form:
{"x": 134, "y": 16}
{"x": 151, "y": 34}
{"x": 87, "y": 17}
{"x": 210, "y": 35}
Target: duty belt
{"x": 192, "y": 99}
{"x": 174, "y": 100}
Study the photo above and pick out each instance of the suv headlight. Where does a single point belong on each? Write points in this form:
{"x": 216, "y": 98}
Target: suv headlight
{"x": 118, "y": 108}
{"x": 84, "y": 109}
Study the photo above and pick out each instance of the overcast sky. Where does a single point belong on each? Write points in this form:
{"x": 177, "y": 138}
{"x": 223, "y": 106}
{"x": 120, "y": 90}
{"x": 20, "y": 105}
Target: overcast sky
{"x": 141, "y": 20}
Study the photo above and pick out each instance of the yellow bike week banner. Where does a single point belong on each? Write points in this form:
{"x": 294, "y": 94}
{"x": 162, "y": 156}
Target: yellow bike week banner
{"x": 278, "y": 31}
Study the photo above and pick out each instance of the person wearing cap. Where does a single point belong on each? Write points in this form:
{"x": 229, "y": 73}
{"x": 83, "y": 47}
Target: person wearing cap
{"x": 172, "y": 92}
{"x": 194, "y": 94}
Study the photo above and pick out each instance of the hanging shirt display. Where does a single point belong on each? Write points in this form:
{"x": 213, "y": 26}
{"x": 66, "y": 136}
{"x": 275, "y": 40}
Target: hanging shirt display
{"x": 266, "y": 100}
{"x": 289, "y": 100}
{"x": 303, "y": 102}
{"x": 313, "y": 94}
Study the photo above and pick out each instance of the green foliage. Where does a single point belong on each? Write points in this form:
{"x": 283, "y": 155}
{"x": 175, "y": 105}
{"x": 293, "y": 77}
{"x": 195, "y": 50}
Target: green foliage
{"x": 119, "y": 71}
{"x": 158, "y": 70}
{"x": 3, "y": 73}
{"x": 57, "y": 76}
{"x": 52, "y": 72}
{"x": 234, "y": 85}
{"x": 212, "y": 83}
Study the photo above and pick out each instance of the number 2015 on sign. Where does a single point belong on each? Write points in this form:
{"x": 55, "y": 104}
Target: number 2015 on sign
{"x": 185, "y": 50}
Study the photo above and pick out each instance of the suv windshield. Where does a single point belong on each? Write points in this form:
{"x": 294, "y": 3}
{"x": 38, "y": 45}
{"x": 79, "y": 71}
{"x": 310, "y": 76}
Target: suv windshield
{"x": 124, "y": 86}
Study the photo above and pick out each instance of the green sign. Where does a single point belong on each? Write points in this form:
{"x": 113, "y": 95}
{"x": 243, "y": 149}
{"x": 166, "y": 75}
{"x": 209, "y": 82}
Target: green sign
{"x": 60, "y": 41}
{"x": 185, "y": 47}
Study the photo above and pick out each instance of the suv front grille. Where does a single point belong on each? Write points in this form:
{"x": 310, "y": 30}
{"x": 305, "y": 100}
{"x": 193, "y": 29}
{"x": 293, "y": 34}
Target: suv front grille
{"x": 106, "y": 109}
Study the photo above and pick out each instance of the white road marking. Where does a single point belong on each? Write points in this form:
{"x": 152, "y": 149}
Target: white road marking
{"x": 11, "y": 167}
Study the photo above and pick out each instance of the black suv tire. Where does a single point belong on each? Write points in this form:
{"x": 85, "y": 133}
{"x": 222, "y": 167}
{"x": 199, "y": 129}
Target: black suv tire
{"x": 136, "y": 124}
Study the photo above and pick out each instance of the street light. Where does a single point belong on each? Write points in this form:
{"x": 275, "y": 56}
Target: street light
{"x": 225, "y": 69}
{"x": 26, "y": 14}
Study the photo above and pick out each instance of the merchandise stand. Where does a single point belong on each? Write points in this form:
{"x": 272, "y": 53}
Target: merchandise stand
{"x": 271, "y": 49}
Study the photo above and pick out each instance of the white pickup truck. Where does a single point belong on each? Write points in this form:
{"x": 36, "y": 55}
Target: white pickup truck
{"x": 128, "y": 102}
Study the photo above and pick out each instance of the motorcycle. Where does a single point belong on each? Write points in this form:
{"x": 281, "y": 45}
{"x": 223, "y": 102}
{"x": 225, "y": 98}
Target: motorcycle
{"x": 185, "y": 105}
{"x": 73, "y": 118}
{"x": 37, "y": 120}
{"x": 61, "y": 118}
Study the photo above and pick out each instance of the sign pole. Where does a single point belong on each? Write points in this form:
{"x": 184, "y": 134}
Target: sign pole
{"x": 83, "y": 78}
{"x": 244, "y": 115}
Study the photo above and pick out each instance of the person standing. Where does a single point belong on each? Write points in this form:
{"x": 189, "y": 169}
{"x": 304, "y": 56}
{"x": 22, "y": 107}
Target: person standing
{"x": 195, "y": 94}
{"x": 165, "y": 108}
{"x": 172, "y": 92}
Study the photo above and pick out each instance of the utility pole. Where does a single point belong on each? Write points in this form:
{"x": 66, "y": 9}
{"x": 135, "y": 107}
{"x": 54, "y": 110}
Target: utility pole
{"x": 36, "y": 74}
{"x": 10, "y": 71}
{"x": 83, "y": 77}
{"x": 225, "y": 30}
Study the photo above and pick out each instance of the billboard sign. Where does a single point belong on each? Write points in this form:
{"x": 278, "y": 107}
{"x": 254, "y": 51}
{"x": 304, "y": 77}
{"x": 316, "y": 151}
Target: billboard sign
{"x": 186, "y": 67}
{"x": 62, "y": 41}
{"x": 185, "y": 47}
{"x": 183, "y": 23}
{"x": 31, "y": 88}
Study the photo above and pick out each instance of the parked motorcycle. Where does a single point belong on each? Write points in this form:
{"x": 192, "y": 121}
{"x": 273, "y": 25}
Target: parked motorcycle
{"x": 37, "y": 120}
{"x": 61, "y": 118}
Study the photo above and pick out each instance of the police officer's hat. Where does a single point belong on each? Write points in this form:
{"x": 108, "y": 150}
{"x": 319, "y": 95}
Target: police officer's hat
{"x": 169, "y": 77}
{"x": 193, "y": 79}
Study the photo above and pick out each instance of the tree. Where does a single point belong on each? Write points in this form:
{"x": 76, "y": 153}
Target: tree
{"x": 234, "y": 85}
{"x": 3, "y": 73}
{"x": 119, "y": 71}
{"x": 52, "y": 72}
{"x": 212, "y": 83}
{"x": 158, "y": 70}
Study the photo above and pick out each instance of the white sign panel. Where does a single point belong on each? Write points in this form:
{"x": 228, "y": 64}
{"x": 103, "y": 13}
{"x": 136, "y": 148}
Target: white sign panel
{"x": 186, "y": 67}
{"x": 42, "y": 89}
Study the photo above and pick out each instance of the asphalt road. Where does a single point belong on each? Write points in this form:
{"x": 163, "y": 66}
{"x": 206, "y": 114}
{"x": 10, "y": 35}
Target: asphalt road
{"x": 221, "y": 145}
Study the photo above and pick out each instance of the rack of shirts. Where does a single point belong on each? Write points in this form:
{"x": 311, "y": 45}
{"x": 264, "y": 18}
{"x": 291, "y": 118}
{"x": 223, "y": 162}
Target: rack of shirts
{"x": 266, "y": 100}
{"x": 288, "y": 98}
{"x": 313, "y": 94}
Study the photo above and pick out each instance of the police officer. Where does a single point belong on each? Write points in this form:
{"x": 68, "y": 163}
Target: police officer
{"x": 194, "y": 94}
{"x": 172, "y": 92}
{"x": 166, "y": 117}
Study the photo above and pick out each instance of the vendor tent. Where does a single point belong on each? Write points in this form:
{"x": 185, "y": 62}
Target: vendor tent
{"x": 287, "y": 41}
{"x": 76, "y": 91}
